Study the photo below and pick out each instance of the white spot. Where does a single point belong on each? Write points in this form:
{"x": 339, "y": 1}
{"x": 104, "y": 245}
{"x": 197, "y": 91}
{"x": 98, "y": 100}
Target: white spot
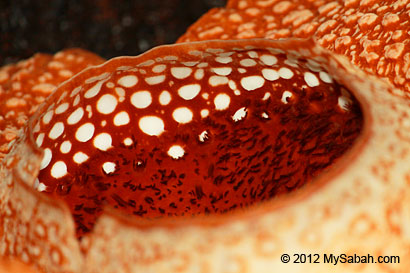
{"x": 311, "y": 79}
{"x": 97, "y": 78}
{"x": 151, "y": 125}
{"x": 41, "y": 187}
{"x": 247, "y": 62}
{"x": 75, "y": 116}
{"x": 344, "y": 103}
{"x": 103, "y": 141}
{"x": 202, "y": 65}
{"x": 223, "y": 60}
{"x": 266, "y": 96}
{"x": 80, "y": 157}
{"x": 128, "y": 81}
{"x": 47, "y": 117}
{"x": 214, "y": 50}
{"x": 237, "y": 92}
{"x": 62, "y": 108}
{"x": 205, "y": 96}
{"x": 85, "y": 132}
{"x": 217, "y": 80}
{"x": 203, "y": 136}
{"x": 110, "y": 84}
{"x": 122, "y": 118}
{"x": 190, "y": 91}
{"x": 195, "y": 53}
{"x": 120, "y": 91}
{"x": 227, "y": 53}
{"x": 269, "y": 59}
{"x": 241, "y": 70}
{"x": 285, "y": 96}
{"x": 252, "y": 82}
{"x": 76, "y": 100}
{"x": 107, "y": 104}
{"x": 57, "y": 130}
{"x": 325, "y": 77}
{"x": 159, "y": 68}
{"x": 253, "y": 54}
{"x": 204, "y": 113}
{"x": 199, "y": 74}
{"x": 270, "y": 74}
{"x": 109, "y": 167}
{"x": 46, "y": 88}
{"x": 59, "y": 169}
{"x": 176, "y": 151}
{"x": 65, "y": 147}
{"x": 222, "y": 71}
{"x": 89, "y": 109}
{"x": 40, "y": 139}
{"x": 128, "y": 141}
{"x": 313, "y": 66}
{"x": 182, "y": 115}
{"x": 75, "y": 91}
{"x": 170, "y": 58}
{"x": 292, "y": 62}
{"x": 222, "y": 101}
{"x": 232, "y": 84}
{"x": 285, "y": 73}
{"x": 164, "y": 98}
{"x": 103, "y": 123}
{"x": 190, "y": 63}
{"x": 264, "y": 115}
{"x": 240, "y": 114}
{"x": 155, "y": 79}
{"x": 46, "y": 158}
{"x": 93, "y": 91}
{"x": 141, "y": 99}
{"x": 147, "y": 63}
{"x": 181, "y": 72}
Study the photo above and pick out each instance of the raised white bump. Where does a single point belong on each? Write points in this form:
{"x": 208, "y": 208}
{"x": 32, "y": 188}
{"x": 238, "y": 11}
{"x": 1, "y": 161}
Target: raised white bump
{"x": 75, "y": 116}
{"x": 190, "y": 91}
{"x": 103, "y": 141}
{"x": 252, "y": 82}
{"x": 59, "y": 169}
{"x": 151, "y": 125}
{"x": 128, "y": 81}
{"x": 182, "y": 115}
{"x": 141, "y": 99}
{"x": 107, "y": 104}
{"x": 85, "y": 132}
{"x": 122, "y": 118}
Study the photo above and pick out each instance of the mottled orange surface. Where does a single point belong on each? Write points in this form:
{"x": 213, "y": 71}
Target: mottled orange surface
{"x": 8, "y": 265}
{"x": 373, "y": 34}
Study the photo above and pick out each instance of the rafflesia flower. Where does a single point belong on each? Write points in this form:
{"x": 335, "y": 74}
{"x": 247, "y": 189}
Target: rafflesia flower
{"x": 216, "y": 156}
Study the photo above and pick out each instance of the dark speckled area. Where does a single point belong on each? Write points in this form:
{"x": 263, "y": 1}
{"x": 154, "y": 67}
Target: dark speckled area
{"x": 107, "y": 27}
